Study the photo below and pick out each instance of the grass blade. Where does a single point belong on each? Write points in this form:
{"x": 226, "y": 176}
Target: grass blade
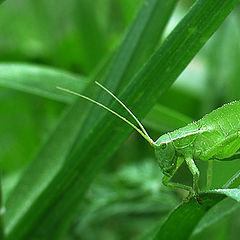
{"x": 142, "y": 41}
{"x": 39, "y": 80}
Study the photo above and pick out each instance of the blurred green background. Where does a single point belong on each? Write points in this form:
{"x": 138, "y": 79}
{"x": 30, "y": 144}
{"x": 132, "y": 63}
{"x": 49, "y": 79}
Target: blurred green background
{"x": 78, "y": 36}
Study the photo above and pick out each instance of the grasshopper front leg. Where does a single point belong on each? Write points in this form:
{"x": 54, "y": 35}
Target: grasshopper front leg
{"x": 166, "y": 182}
{"x": 166, "y": 179}
{"x": 195, "y": 172}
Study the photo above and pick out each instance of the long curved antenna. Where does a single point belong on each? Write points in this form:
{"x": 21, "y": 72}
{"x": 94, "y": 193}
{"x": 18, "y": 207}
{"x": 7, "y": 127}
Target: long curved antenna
{"x": 129, "y": 111}
{"x": 110, "y": 110}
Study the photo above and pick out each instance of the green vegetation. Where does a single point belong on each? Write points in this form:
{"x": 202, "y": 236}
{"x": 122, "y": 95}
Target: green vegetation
{"x": 71, "y": 170}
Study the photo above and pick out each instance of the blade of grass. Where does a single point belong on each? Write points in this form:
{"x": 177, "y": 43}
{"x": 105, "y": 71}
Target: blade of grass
{"x": 147, "y": 40}
{"x": 95, "y": 148}
{"x": 32, "y": 188}
{"x": 40, "y": 80}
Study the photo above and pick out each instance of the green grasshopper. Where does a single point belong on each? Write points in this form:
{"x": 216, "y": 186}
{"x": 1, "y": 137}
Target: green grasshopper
{"x": 214, "y": 137}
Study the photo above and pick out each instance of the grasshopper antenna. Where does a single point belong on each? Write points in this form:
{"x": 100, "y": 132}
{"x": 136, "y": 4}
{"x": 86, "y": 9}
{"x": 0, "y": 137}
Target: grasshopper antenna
{"x": 141, "y": 131}
{"x": 129, "y": 111}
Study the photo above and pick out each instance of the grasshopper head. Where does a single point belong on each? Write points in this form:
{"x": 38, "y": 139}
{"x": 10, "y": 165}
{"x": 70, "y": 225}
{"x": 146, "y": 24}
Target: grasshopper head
{"x": 166, "y": 155}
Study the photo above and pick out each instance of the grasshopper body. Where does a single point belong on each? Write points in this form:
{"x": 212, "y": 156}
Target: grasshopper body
{"x": 214, "y": 137}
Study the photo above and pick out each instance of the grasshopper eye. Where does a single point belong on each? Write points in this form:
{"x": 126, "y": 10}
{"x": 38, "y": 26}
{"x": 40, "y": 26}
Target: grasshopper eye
{"x": 163, "y": 145}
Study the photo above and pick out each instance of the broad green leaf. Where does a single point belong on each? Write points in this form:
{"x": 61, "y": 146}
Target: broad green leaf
{"x": 39, "y": 188}
{"x": 218, "y": 212}
{"x": 223, "y": 208}
{"x": 232, "y": 193}
{"x": 183, "y": 220}
{"x": 40, "y": 80}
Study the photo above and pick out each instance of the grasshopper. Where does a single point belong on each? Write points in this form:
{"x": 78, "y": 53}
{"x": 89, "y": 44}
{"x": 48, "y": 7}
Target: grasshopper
{"x": 216, "y": 136}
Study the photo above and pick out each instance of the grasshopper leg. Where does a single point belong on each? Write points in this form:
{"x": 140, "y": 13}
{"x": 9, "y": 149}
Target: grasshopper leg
{"x": 166, "y": 182}
{"x": 195, "y": 172}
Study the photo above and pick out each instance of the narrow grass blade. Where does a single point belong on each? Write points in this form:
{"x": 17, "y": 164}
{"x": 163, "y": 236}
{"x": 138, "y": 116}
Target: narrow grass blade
{"x": 40, "y": 80}
{"x": 141, "y": 44}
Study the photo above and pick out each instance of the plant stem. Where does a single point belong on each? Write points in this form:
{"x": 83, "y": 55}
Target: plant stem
{"x": 209, "y": 174}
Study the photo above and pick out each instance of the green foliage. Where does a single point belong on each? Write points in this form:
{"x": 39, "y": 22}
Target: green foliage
{"x": 69, "y": 169}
